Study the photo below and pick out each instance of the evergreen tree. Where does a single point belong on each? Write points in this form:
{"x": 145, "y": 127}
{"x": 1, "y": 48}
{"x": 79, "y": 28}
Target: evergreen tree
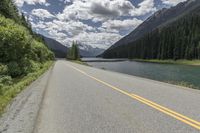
{"x": 73, "y": 52}
{"x": 9, "y": 10}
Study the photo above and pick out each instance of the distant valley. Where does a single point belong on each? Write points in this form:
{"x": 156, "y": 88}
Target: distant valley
{"x": 60, "y": 50}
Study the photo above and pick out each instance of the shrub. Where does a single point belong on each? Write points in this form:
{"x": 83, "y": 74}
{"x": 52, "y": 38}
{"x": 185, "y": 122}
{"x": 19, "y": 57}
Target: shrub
{"x": 14, "y": 69}
{"x": 3, "y": 69}
{"x": 19, "y": 50}
{"x": 1, "y": 89}
{"x": 16, "y": 43}
{"x": 5, "y": 80}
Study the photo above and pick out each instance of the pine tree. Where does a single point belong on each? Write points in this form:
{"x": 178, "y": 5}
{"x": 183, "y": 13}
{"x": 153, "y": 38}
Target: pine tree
{"x": 73, "y": 52}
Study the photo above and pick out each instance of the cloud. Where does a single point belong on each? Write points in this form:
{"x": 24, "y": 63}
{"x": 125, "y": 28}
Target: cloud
{"x": 78, "y": 20}
{"x": 75, "y": 11}
{"x": 147, "y": 6}
{"x": 42, "y": 13}
{"x": 102, "y": 10}
{"x": 111, "y": 8}
{"x": 65, "y": 1}
{"x": 20, "y": 3}
{"x": 118, "y": 25}
{"x": 172, "y": 2}
{"x": 95, "y": 39}
{"x": 71, "y": 28}
{"x": 39, "y": 25}
{"x": 68, "y": 31}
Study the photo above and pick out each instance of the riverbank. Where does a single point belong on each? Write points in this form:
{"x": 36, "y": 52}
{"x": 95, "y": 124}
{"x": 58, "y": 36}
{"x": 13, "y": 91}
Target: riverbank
{"x": 179, "y": 62}
{"x": 183, "y": 84}
{"x": 183, "y": 75}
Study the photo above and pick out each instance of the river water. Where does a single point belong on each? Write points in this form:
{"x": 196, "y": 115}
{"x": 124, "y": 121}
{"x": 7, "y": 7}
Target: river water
{"x": 161, "y": 72}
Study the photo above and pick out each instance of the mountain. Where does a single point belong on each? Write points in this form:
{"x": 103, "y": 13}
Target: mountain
{"x": 59, "y": 49}
{"x": 155, "y": 27}
{"x": 89, "y": 51}
{"x": 158, "y": 19}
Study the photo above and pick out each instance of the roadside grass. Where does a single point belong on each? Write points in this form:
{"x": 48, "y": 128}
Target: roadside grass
{"x": 181, "y": 62}
{"x": 79, "y": 62}
{"x": 9, "y": 92}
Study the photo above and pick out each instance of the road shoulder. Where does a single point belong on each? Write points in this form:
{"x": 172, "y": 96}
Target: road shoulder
{"x": 22, "y": 113}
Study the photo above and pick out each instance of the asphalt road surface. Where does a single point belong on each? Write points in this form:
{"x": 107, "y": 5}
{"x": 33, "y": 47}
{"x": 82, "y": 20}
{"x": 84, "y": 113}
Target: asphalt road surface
{"x": 82, "y": 99}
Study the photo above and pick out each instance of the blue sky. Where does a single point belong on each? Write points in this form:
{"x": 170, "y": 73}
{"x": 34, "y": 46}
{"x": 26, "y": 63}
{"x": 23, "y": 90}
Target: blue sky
{"x": 98, "y": 23}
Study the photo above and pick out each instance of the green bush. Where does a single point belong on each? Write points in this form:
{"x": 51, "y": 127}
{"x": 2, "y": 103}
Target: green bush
{"x": 1, "y": 89}
{"x": 41, "y": 53}
{"x": 14, "y": 41}
{"x": 19, "y": 50}
{"x": 3, "y": 69}
{"x": 14, "y": 69}
{"x": 5, "y": 80}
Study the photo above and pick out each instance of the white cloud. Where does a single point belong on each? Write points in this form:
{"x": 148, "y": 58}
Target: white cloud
{"x": 77, "y": 10}
{"x": 113, "y": 16}
{"x": 42, "y": 13}
{"x": 39, "y": 25}
{"x": 65, "y": 1}
{"x": 147, "y": 6}
{"x": 20, "y": 3}
{"x": 102, "y": 10}
{"x": 117, "y": 25}
{"x": 72, "y": 28}
{"x": 95, "y": 39}
{"x": 67, "y": 32}
{"x": 172, "y": 2}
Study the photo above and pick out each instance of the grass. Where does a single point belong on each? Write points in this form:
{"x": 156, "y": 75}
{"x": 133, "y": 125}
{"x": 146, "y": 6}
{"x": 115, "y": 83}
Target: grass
{"x": 79, "y": 62}
{"x": 9, "y": 92}
{"x": 181, "y": 62}
{"x": 184, "y": 84}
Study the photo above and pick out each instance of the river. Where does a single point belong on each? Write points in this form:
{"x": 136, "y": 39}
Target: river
{"x": 181, "y": 74}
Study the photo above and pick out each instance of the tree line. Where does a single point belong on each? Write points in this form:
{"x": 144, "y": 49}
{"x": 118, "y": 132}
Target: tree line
{"x": 178, "y": 40}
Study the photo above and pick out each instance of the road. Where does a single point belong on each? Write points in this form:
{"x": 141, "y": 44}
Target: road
{"x": 82, "y": 99}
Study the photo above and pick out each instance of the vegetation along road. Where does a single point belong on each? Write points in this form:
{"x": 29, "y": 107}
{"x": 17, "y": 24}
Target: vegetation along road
{"x": 85, "y": 99}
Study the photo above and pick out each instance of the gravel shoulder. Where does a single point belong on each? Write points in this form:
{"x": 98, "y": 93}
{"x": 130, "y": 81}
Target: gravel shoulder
{"x": 22, "y": 112}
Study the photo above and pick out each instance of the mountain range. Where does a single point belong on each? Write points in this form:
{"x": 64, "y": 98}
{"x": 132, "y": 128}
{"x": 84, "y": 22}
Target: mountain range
{"x": 89, "y": 51}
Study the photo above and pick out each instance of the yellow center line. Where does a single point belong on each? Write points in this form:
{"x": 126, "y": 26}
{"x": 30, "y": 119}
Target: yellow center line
{"x": 154, "y": 105}
{"x": 166, "y": 109}
{"x": 168, "y": 113}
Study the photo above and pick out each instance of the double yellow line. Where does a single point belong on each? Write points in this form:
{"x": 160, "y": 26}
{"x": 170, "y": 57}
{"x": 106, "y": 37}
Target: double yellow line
{"x": 154, "y": 105}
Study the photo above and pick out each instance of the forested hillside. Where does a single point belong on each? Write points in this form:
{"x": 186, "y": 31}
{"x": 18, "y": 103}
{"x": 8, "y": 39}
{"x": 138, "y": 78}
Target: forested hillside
{"x": 180, "y": 40}
{"x": 59, "y": 49}
{"x": 23, "y": 55}
{"x": 177, "y": 40}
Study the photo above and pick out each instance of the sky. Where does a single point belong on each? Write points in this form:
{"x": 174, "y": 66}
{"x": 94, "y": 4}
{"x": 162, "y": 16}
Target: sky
{"x": 99, "y": 23}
